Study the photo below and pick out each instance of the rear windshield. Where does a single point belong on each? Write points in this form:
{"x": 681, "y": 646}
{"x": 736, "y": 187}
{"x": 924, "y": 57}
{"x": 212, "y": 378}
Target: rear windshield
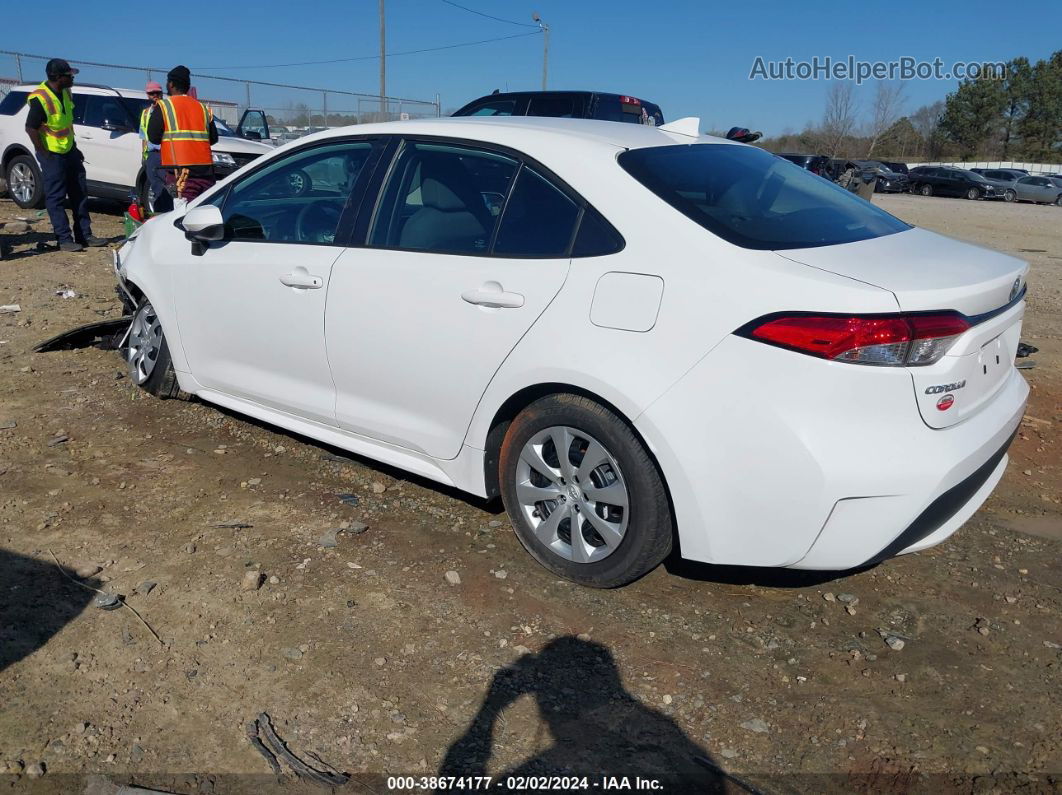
{"x": 634, "y": 111}
{"x": 753, "y": 199}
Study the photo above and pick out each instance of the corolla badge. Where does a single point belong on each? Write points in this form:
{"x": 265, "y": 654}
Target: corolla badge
{"x": 1015, "y": 289}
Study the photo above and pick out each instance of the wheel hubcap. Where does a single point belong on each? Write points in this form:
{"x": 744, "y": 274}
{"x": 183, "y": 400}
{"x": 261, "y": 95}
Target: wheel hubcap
{"x": 145, "y": 342}
{"x": 23, "y": 182}
{"x": 573, "y": 494}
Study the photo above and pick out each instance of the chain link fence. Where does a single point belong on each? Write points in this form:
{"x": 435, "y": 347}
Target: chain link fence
{"x": 292, "y": 111}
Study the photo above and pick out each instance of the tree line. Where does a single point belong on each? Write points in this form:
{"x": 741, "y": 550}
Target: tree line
{"x": 1018, "y": 117}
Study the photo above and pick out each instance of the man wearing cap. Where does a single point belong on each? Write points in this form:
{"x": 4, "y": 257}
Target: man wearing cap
{"x": 184, "y": 129}
{"x": 156, "y": 177}
{"x": 50, "y": 126}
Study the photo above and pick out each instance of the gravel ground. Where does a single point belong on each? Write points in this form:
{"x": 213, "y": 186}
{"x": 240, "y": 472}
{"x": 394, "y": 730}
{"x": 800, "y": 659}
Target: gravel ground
{"x": 431, "y": 643}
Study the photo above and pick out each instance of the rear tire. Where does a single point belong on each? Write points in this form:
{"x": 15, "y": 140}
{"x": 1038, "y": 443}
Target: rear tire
{"x": 926, "y": 190}
{"x": 605, "y": 487}
{"x": 25, "y": 183}
{"x": 147, "y": 355}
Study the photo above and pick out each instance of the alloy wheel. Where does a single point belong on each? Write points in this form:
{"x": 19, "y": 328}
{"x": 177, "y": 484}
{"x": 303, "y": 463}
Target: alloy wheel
{"x": 573, "y": 494}
{"x": 22, "y": 182}
{"x": 145, "y": 343}
{"x": 1009, "y": 196}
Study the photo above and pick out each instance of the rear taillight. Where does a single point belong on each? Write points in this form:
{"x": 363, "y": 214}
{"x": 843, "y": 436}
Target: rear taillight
{"x": 891, "y": 340}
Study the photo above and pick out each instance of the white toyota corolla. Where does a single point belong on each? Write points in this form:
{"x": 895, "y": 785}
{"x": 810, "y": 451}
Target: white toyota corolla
{"x": 641, "y": 338}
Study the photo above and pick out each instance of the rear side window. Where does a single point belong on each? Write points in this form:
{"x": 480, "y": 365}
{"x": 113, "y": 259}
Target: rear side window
{"x": 752, "y": 199}
{"x": 443, "y": 198}
{"x": 13, "y": 103}
{"x": 539, "y": 219}
{"x": 561, "y": 106}
{"x": 596, "y": 236}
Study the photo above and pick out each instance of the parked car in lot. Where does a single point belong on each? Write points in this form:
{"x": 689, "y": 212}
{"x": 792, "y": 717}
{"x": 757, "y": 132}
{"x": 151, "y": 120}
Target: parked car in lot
{"x": 886, "y": 180}
{"x": 816, "y": 164}
{"x": 641, "y": 339}
{"x": 566, "y": 104}
{"x": 1039, "y": 190}
{"x": 948, "y": 181}
{"x": 895, "y": 166}
{"x": 1002, "y": 180}
{"x": 106, "y": 129}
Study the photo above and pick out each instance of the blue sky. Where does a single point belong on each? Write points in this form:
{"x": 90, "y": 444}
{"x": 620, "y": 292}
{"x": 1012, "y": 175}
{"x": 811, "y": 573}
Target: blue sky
{"x": 693, "y": 58}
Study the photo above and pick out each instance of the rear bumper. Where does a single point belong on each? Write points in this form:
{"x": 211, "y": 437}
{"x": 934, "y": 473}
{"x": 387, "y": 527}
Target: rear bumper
{"x": 778, "y": 459}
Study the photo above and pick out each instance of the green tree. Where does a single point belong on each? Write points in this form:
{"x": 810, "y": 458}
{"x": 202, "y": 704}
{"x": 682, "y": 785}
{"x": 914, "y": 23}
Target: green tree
{"x": 1017, "y": 86}
{"x": 972, "y": 114}
{"x": 1041, "y": 126}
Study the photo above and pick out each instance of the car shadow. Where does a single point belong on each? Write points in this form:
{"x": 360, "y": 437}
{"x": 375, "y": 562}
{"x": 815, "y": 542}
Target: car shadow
{"x": 763, "y": 577}
{"x": 339, "y": 455}
{"x": 36, "y": 602}
{"x": 595, "y": 727}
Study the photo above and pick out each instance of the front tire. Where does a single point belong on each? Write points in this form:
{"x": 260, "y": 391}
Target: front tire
{"x": 25, "y": 183}
{"x": 584, "y": 496}
{"x": 926, "y": 190}
{"x": 973, "y": 193}
{"x": 1009, "y": 196}
{"x": 148, "y": 355}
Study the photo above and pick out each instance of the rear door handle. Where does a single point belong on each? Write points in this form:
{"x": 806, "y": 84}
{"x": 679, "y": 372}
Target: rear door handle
{"x": 492, "y": 295}
{"x": 301, "y": 280}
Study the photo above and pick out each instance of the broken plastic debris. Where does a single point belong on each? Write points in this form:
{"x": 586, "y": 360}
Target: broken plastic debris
{"x": 107, "y": 601}
{"x": 66, "y": 292}
{"x": 10, "y": 309}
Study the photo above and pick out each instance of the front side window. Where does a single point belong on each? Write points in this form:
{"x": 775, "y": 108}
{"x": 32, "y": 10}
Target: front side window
{"x": 298, "y": 198}
{"x": 100, "y": 111}
{"x": 443, "y": 198}
{"x": 498, "y": 107}
{"x": 13, "y": 102}
{"x": 752, "y": 199}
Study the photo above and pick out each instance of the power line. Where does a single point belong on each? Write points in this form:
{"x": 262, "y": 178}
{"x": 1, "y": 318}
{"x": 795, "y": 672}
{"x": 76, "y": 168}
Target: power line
{"x": 376, "y": 57}
{"x": 488, "y": 16}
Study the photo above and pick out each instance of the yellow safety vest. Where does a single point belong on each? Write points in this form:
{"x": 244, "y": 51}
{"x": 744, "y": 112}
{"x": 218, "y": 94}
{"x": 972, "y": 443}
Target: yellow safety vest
{"x": 145, "y": 116}
{"x": 58, "y": 127}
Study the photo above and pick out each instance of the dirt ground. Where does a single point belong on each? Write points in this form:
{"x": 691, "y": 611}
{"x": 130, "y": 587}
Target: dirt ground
{"x": 366, "y": 655}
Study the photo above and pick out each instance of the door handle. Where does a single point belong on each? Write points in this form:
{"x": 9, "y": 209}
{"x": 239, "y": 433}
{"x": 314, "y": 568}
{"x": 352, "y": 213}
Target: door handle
{"x": 492, "y": 295}
{"x": 301, "y": 280}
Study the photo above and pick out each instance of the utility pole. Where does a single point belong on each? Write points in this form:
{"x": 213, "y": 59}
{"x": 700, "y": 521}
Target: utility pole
{"x": 545, "y": 47}
{"x": 383, "y": 66}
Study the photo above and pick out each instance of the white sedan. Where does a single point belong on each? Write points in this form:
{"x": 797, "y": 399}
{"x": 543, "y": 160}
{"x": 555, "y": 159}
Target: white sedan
{"x": 644, "y": 339}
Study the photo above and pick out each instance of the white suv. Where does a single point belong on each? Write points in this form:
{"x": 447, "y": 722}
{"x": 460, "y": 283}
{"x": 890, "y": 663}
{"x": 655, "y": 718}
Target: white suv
{"x": 106, "y": 128}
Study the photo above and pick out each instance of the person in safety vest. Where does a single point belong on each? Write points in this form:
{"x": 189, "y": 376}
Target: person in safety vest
{"x": 50, "y": 126}
{"x": 152, "y": 155}
{"x": 184, "y": 129}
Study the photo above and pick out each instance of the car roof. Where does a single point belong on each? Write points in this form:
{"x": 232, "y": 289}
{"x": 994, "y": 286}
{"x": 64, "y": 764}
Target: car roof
{"x": 91, "y": 88}
{"x": 513, "y": 130}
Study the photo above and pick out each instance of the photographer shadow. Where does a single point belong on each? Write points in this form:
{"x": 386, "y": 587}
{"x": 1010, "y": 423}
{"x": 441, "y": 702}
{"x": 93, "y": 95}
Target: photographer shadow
{"x": 36, "y": 602}
{"x": 597, "y": 728}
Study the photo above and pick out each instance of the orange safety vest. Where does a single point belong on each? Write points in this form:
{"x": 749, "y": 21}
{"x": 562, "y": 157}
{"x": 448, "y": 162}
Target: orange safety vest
{"x": 186, "y": 132}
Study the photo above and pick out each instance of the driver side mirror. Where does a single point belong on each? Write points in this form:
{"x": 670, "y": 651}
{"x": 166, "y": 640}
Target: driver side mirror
{"x": 203, "y": 225}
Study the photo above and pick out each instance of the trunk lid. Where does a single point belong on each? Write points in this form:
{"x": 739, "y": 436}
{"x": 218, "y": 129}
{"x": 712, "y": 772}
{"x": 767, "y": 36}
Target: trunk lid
{"x": 930, "y": 272}
{"x": 924, "y": 270}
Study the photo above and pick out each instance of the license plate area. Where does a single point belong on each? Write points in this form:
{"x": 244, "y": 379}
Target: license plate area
{"x": 958, "y": 387}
